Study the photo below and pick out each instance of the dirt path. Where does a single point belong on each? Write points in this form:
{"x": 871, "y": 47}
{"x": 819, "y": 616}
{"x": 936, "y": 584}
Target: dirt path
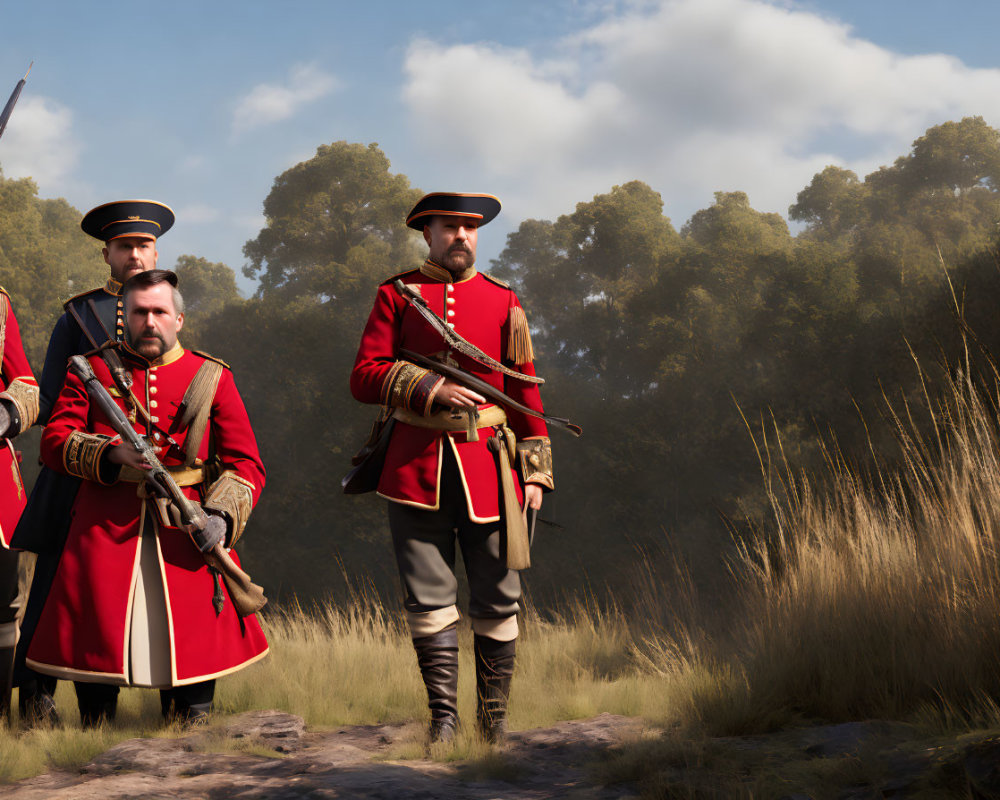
{"x": 351, "y": 762}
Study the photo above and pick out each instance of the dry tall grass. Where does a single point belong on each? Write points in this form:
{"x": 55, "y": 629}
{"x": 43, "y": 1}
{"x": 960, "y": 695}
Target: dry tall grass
{"x": 878, "y": 596}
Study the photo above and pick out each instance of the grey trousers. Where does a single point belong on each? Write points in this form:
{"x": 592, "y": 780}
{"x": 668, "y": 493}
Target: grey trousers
{"x": 10, "y": 601}
{"x": 426, "y": 544}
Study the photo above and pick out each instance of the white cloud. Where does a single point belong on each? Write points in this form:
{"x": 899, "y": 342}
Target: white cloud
{"x": 272, "y": 102}
{"x": 198, "y": 214}
{"x": 38, "y": 143}
{"x": 691, "y": 96}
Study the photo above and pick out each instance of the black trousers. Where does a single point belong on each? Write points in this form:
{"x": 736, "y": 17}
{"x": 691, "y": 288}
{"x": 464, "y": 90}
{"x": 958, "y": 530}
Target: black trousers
{"x": 9, "y": 603}
{"x": 178, "y": 698}
{"x": 426, "y": 545}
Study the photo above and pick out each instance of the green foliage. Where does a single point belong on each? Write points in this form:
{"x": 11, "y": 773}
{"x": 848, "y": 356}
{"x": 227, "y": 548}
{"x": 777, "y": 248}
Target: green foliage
{"x": 334, "y": 226}
{"x": 653, "y": 339}
{"x": 44, "y": 260}
{"x": 335, "y": 230}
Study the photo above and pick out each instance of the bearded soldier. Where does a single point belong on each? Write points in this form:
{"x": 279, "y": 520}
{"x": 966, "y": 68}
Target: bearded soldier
{"x": 18, "y": 410}
{"x": 129, "y": 230}
{"x": 443, "y": 481}
{"x": 133, "y": 603}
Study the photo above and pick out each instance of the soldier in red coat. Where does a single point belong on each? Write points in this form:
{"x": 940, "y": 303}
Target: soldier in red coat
{"x": 18, "y": 410}
{"x": 132, "y": 600}
{"x": 441, "y": 479}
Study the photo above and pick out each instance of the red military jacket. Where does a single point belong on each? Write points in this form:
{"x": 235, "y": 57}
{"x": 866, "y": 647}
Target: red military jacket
{"x": 19, "y": 387}
{"x": 485, "y": 312}
{"x": 84, "y": 628}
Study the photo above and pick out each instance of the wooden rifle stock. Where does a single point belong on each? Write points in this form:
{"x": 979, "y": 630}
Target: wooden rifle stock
{"x": 248, "y": 597}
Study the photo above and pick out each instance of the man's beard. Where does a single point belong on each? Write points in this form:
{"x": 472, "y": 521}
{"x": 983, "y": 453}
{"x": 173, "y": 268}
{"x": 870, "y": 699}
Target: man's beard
{"x": 457, "y": 259}
{"x": 151, "y": 345}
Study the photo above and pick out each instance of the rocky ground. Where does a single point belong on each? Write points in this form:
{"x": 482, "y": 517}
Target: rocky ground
{"x": 352, "y": 762}
{"x": 270, "y": 754}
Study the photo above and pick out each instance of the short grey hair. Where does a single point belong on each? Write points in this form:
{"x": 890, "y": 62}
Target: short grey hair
{"x": 153, "y": 277}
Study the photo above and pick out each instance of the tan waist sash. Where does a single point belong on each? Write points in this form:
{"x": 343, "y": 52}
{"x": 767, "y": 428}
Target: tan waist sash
{"x": 183, "y": 476}
{"x": 449, "y": 419}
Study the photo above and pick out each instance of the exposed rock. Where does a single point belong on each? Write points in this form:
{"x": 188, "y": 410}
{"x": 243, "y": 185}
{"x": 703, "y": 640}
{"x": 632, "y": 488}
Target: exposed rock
{"x": 547, "y": 762}
{"x": 982, "y": 768}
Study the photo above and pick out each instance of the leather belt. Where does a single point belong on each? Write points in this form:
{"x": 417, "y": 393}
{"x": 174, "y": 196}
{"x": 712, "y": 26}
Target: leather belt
{"x": 454, "y": 419}
{"x": 183, "y": 476}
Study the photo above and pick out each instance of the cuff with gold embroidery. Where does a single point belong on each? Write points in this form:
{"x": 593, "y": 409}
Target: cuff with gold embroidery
{"x": 411, "y": 387}
{"x": 83, "y": 457}
{"x": 232, "y": 496}
{"x": 535, "y": 456}
{"x": 23, "y": 395}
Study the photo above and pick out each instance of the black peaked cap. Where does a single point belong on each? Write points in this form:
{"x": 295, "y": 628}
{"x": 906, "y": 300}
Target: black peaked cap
{"x": 145, "y": 218}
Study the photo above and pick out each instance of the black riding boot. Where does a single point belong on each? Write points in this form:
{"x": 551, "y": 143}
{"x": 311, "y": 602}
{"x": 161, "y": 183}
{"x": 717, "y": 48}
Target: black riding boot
{"x": 98, "y": 702}
{"x": 35, "y": 701}
{"x": 6, "y": 680}
{"x": 190, "y": 704}
{"x": 437, "y": 656}
{"x": 494, "y": 669}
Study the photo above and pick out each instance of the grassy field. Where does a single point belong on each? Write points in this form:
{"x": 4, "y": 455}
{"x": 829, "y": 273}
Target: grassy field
{"x": 875, "y": 597}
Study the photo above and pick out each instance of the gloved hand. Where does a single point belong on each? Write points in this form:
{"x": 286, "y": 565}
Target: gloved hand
{"x": 213, "y": 533}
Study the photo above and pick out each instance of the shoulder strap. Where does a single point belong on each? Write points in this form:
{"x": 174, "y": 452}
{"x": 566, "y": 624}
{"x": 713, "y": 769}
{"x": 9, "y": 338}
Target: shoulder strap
{"x": 4, "y": 305}
{"x": 197, "y": 404}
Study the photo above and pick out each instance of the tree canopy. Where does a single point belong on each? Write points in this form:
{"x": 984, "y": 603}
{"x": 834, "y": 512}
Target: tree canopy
{"x": 669, "y": 346}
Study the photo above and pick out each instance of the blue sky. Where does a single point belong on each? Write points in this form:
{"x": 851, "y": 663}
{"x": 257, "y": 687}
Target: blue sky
{"x": 201, "y": 105}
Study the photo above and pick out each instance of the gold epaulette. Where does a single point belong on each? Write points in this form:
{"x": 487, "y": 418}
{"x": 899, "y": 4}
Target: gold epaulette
{"x": 83, "y": 294}
{"x": 5, "y": 292}
{"x": 497, "y": 281}
{"x": 398, "y": 276}
{"x": 208, "y": 357}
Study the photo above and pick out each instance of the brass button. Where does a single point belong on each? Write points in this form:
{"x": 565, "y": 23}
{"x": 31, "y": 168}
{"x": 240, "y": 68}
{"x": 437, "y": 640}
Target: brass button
{"x": 152, "y": 390}
{"x": 152, "y": 404}
{"x": 451, "y": 288}
{"x": 451, "y": 312}
{"x": 451, "y": 300}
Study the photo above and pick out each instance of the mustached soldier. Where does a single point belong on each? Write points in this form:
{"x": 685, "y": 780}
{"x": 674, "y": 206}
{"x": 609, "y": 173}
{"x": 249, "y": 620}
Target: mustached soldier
{"x": 18, "y": 409}
{"x": 133, "y": 602}
{"x": 129, "y": 230}
{"x": 441, "y": 479}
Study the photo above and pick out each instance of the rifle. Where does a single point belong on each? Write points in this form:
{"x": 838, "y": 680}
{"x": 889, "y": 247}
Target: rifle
{"x": 488, "y": 390}
{"x": 207, "y": 531}
{"x": 12, "y": 100}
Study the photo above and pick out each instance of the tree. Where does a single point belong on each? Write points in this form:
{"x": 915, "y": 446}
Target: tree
{"x": 44, "y": 260}
{"x": 334, "y": 226}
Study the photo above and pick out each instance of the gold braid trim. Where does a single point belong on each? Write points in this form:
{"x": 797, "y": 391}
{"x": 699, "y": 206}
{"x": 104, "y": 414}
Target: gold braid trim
{"x": 233, "y": 496}
{"x": 535, "y": 456}
{"x": 519, "y": 349}
{"x": 411, "y": 387}
{"x": 82, "y": 455}
{"x": 24, "y": 394}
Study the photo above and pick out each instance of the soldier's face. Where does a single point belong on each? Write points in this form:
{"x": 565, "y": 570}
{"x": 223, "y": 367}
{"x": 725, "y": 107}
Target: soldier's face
{"x": 128, "y": 255}
{"x": 153, "y": 321}
{"x": 452, "y": 242}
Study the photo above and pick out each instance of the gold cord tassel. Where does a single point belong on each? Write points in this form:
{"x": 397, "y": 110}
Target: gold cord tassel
{"x": 519, "y": 349}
